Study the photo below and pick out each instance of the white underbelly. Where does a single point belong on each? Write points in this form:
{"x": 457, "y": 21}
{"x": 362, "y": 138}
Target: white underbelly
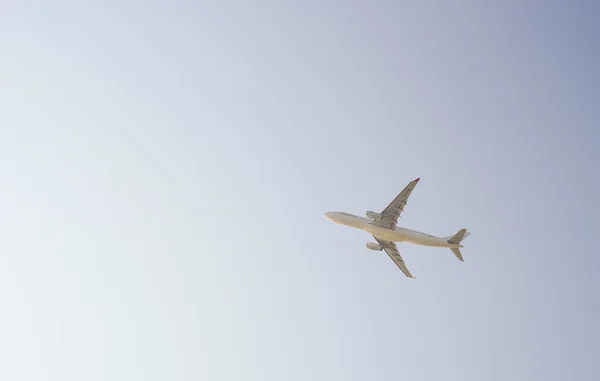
{"x": 389, "y": 234}
{"x": 405, "y": 235}
{"x": 424, "y": 239}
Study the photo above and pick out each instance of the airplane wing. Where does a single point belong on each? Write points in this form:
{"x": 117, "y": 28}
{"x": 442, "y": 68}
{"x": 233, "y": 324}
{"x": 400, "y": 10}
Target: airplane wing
{"x": 395, "y": 208}
{"x": 391, "y": 250}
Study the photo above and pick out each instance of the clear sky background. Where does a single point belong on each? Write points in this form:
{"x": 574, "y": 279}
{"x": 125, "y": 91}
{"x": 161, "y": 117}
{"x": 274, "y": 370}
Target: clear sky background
{"x": 165, "y": 167}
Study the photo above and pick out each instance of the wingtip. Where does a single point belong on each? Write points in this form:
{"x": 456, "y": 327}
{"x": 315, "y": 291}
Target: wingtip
{"x": 417, "y": 179}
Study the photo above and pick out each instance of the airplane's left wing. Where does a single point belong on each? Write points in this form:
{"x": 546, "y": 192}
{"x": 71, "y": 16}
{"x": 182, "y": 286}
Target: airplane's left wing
{"x": 391, "y": 250}
{"x": 391, "y": 213}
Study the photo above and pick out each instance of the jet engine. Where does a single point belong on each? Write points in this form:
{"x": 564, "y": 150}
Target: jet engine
{"x": 374, "y": 246}
{"x": 375, "y": 216}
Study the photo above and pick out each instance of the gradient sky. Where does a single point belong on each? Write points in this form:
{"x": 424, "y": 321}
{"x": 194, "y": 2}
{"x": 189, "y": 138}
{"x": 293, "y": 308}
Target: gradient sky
{"x": 166, "y": 166}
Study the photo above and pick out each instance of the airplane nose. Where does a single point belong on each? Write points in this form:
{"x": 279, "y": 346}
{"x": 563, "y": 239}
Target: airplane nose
{"x": 329, "y": 215}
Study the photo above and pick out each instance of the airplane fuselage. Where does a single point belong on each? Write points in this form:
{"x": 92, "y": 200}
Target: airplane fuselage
{"x": 398, "y": 234}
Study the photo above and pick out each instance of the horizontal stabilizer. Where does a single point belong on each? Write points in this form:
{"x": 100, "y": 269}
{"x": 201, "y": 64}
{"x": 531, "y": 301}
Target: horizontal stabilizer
{"x": 457, "y": 253}
{"x": 458, "y": 237}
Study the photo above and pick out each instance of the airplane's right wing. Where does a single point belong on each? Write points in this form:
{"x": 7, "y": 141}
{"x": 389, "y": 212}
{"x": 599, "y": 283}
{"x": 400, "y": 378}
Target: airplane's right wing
{"x": 391, "y": 250}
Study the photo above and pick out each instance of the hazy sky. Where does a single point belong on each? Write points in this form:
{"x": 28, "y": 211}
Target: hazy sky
{"x": 166, "y": 166}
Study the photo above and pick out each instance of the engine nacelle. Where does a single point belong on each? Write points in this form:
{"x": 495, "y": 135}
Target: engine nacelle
{"x": 375, "y": 216}
{"x": 374, "y": 246}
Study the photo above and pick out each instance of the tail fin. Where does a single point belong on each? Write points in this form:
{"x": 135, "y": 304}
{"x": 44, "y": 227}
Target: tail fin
{"x": 457, "y": 239}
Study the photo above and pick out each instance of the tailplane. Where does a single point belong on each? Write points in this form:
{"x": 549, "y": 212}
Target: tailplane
{"x": 456, "y": 240}
{"x": 457, "y": 253}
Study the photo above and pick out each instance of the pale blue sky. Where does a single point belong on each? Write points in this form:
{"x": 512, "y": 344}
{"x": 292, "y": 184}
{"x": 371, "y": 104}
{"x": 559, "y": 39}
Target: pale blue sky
{"x": 166, "y": 166}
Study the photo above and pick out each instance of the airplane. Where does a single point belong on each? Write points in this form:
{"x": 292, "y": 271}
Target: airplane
{"x": 383, "y": 227}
